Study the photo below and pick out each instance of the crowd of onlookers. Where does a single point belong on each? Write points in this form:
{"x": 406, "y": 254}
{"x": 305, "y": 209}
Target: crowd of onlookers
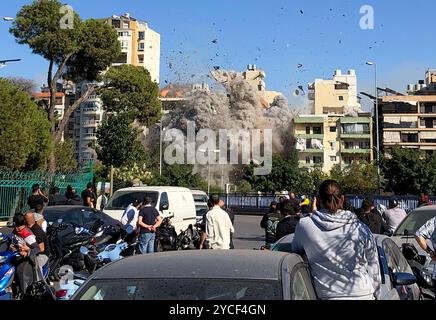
{"x": 338, "y": 240}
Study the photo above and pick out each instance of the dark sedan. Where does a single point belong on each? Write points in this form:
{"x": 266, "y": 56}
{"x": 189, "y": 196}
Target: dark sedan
{"x": 79, "y": 216}
{"x": 202, "y": 275}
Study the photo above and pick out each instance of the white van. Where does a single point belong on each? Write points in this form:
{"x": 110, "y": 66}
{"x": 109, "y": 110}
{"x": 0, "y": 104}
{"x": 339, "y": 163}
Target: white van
{"x": 200, "y": 200}
{"x": 169, "y": 201}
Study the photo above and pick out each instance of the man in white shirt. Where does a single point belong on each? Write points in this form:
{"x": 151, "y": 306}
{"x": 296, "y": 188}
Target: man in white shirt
{"x": 394, "y": 215}
{"x": 218, "y": 226}
{"x": 130, "y": 215}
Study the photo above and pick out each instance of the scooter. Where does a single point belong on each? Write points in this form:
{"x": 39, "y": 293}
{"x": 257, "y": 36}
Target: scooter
{"x": 7, "y": 268}
{"x": 112, "y": 252}
{"x": 69, "y": 283}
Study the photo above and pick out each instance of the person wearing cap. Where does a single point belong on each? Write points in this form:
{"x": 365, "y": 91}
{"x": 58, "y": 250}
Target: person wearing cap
{"x": 368, "y": 215}
{"x": 394, "y": 215}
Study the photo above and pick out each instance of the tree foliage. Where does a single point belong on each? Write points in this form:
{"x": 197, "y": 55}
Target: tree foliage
{"x": 357, "y": 178}
{"x": 179, "y": 175}
{"x": 65, "y": 158}
{"x": 25, "y": 140}
{"x": 131, "y": 89}
{"x": 409, "y": 172}
{"x": 27, "y": 85}
{"x": 116, "y": 140}
{"x": 79, "y": 53}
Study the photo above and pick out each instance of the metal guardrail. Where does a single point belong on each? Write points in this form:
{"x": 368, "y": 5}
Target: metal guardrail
{"x": 263, "y": 201}
{"x": 16, "y": 186}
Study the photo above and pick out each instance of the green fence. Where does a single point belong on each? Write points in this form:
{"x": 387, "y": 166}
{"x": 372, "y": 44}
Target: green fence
{"x": 16, "y": 186}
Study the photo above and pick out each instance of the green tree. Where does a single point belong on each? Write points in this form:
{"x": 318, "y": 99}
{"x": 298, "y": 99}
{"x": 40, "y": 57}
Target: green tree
{"x": 284, "y": 175}
{"x": 409, "y": 172}
{"x": 80, "y": 53}
{"x": 357, "y": 178}
{"x": 65, "y": 158}
{"x": 179, "y": 175}
{"x": 310, "y": 180}
{"x": 131, "y": 89}
{"x": 25, "y": 140}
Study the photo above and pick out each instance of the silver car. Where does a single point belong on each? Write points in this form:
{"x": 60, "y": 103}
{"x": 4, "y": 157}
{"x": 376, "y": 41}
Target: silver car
{"x": 202, "y": 275}
{"x": 405, "y": 233}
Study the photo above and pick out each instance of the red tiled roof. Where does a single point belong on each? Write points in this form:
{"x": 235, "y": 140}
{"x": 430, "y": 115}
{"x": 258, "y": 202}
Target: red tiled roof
{"x": 47, "y": 94}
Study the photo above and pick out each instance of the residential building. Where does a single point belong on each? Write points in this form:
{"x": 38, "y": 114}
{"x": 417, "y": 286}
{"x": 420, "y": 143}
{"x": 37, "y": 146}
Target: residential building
{"x": 337, "y": 132}
{"x": 327, "y": 140}
{"x": 409, "y": 121}
{"x": 254, "y": 76}
{"x": 140, "y": 45}
{"x": 335, "y": 96}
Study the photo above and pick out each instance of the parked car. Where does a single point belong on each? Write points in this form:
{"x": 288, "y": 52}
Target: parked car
{"x": 405, "y": 233}
{"x": 202, "y": 275}
{"x": 86, "y": 217}
{"x": 169, "y": 201}
{"x": 398, "y": 281}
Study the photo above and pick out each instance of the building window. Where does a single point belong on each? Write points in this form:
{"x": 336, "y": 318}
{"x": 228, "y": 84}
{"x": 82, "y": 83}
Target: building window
{"x": 317, "y": 130}
{"x": 341, "y": 98}
{"x": 122, "y": 58}
{"x": 141, "y": 47}
{"x": 141, "y": 35}
{"x": 141, "y": 58}
{"x": 364, "y": 145}
{"x": 125, "y": 25}
{"x": 308, "y": 160}
{"x": 333, "y": 158}
{"x": 116, "y": 24}
{"x": 123, "y": 34}
{"x": 307, "y": 130}
{"x": 317, "y": 159}
{"x": 349, "y": 145}
{"x": 348, "y": 160}
{"x": 341, "y": 86}
{"x": 333, "y": 145}
{"x": 124, "y": 44}
{"x": 333, "y": 129}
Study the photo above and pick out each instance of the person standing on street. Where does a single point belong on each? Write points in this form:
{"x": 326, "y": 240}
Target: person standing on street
{"x": 269, "y": 223}
{"x": 288, "y": 224}
{"x": 394, "y": 215}
{"x": 75, "y": 200}
{"x": 148, "y": 220}
{"x": 340, "y": 249}
{"x": 372, "y": 219}
{"x": 229, "y": 211}
{"x": 130, "y": 218}
{"x": 41, "y": 238}
{"x": 37, "y": 197}
{"x": 101, "y": 201}
{"x": 88, "y": 196}
{"x": 56, "y": 199}
{"x": 218, "y": 226}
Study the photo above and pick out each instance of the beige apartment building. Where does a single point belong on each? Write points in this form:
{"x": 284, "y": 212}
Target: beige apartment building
{"x": 336, "y": 132}
{"x": 335, "y": 96}
{"x": 409, "y": 121}
{"x": 140, "y": 45}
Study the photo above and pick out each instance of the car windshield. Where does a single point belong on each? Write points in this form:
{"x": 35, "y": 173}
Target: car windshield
{"x": 181, "y": 289}
{"x": 122, "y": 199}
{"x": 200, "y": 197}
{"x": 414, "y": 221}
{"x": 201, "y": 209}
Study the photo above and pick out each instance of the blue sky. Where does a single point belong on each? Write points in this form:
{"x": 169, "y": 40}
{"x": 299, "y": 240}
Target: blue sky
{"x": 272, "y": 34}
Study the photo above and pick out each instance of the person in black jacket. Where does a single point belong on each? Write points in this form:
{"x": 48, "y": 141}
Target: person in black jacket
{"x": 269, "y": 223}
{"x": 372, "y": 219}
{"x": 288, "y": 224}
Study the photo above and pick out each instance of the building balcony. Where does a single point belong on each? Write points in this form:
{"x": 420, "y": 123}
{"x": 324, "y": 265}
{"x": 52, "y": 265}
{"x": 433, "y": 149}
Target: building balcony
{"x": 309, "y": 165}
{"x": 356, "y": 135}
{"x": 304, "y": 120}
{"x": 356, "y": 151}
{"x": 90, "y": 123}
{"x": 312, "y": 151}
{"x": 355, "y": 120}
{"x": 309, "y": 136}
{"x": 404, "y": 125}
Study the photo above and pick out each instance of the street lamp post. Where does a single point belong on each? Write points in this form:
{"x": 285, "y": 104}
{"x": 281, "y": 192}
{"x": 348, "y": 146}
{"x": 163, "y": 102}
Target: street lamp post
{"x": 208, "y": 174}
{"x": 164, "y": 112}
{"x": 369, "y": 63}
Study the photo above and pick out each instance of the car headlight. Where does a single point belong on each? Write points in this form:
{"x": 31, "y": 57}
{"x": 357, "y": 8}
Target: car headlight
{"x": 3, "y": 259}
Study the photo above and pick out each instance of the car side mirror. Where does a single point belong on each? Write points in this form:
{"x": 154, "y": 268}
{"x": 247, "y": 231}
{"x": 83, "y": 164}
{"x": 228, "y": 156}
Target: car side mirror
{"x": 404, "y": 279}
{"x": 164, "y": 206}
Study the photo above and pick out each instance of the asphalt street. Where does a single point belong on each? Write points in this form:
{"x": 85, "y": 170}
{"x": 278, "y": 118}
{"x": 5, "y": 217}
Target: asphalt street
{"x": 248, "y": 234}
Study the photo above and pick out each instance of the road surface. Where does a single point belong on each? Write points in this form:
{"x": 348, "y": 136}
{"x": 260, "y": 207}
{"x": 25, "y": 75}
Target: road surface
{"x": 248, "y": 234}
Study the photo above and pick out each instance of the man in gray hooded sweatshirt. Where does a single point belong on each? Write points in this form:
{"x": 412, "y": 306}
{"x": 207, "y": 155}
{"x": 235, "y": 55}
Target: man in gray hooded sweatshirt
{"x": 340, "y": 249}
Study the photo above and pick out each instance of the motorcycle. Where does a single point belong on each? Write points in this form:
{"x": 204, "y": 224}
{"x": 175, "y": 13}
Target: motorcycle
{"x": 422, "y": 268}
{"x": 39, "y": 289}
{"x": 69, "y": 283}
{"x": 168, "y": 240}
{"x": 65, "y": 241}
